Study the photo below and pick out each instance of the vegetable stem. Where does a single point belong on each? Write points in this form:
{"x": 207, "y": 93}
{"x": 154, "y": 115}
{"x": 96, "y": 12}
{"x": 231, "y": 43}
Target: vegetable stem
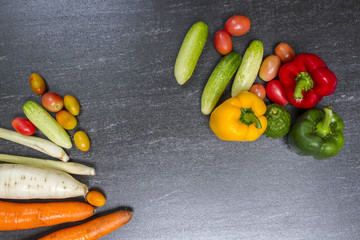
{"x": 69, "y": 167}
{"x": 39, "y": 144}
{"x": 304, "y": 82}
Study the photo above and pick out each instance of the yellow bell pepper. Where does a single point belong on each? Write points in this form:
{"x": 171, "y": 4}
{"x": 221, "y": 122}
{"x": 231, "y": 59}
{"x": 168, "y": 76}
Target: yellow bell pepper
{"x": 239, "y": 118}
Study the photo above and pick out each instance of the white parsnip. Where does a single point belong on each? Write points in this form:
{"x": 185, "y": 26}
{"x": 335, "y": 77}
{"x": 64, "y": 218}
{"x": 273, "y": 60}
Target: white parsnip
{"x": 36, "y": 143}
{"x": 19, "y": 181}
{"x": 69, "y": 167}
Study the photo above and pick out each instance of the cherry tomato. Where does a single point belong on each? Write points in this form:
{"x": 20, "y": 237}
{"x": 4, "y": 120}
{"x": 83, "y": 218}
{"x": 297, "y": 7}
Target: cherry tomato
{"x": 52, "y": 101}
{"x": 37, "y": 84}
{"x": 258, "y": 90}
{"x": 95, "y": 198}
{"x": 270, "y": 68}
{"x": 223, "y": 42}
{"x": 82, "y": 141}
{"x": 23, "y": 126}
{"x": 276, "y": 93}
{"x": 66, "y": 119}
{"x": 237, "y": 25}
{"x": 72, "y": 105}
{"x": 284, "y": 52}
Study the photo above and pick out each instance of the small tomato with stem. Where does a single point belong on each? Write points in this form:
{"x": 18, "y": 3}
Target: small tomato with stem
{"x": 37, "y": 84}
{"x": 53, "y": 102}
{"x": 258, "y": 90}
{"x": 72, "y": 105}
{"x": 284, "y": 52}
{"x": 237, "y": 25}
{"x": 66, "y": 119}
{"x": 23, "y": 126}
{"x": 270, "y": 68}
{"x": 223, "y": 42}
{"x": 82, "y": 141}
{"x": 276, "y": 93}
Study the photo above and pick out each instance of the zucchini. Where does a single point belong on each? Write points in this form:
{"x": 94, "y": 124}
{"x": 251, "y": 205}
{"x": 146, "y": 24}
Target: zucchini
{"x": 46, "y": 124}
{"x": 190, "y": 51}
{"x": 218, "y": 81}
{"x": 249, "y": 68}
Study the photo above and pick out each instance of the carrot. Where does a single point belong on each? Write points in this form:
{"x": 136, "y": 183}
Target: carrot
{"x": 93, "y": 229}
{"x": 17, "y": 216}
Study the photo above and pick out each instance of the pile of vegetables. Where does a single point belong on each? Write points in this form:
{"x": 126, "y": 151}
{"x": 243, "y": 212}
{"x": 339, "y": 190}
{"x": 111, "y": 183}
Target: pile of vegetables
{"x": 32, "y": 178}
{"x": 303, "y": 80}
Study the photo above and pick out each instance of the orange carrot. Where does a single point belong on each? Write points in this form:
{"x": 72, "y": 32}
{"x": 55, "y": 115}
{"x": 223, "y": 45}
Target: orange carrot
{"x": 16, "y": 216}
{"x": 93, "y": 229}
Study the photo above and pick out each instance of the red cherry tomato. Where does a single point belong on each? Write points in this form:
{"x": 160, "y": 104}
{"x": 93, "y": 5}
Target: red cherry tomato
{"x": 269, "y": 68}
{"x": 284, "y": 52}
{"x": 223, "y": 42}
{"x": 52, "y": 101}
{"x": 23, "y": 126}
{"x": 237, "y": 25}
{"x": 276, "y": 93}
{"x": 258, "y": 90}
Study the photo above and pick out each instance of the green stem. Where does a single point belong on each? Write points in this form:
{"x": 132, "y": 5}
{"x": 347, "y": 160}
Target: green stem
{"x": 248, "y": 117}
{"x": 304, "y": 82}
{"x": 323, "y": 127}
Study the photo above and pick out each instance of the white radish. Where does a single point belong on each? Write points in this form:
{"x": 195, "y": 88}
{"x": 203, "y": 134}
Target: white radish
{"x": 69, "y": 167}
{"x": 19, "y": 181}
{"x": 40, "y": 144}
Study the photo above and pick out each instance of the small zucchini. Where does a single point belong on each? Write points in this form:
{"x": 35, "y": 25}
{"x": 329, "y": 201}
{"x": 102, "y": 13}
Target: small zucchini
{"x": 47, "y": 124}
{"x": 190, "y": 51}
{"x": 218, "y": 81}
{"x": 249, "y": 68}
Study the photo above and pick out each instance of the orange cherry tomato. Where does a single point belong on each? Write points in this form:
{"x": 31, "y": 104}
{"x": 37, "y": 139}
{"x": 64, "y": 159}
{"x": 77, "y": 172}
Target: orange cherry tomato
{"x": 37, "y": 84}
{"x": 66, "y": 119}
{"x": 284, "y": 52}
{"x": 95, "y": 198}
{"x": 53, "y": 102}
{"x": 72, "y": 105}
{"x": 258, "y": 90}
{"x": 237, "y": 25}
{"x": 82, "y": 141}
{"x": 222, "y": 42}
{"x": 270, "y": 68}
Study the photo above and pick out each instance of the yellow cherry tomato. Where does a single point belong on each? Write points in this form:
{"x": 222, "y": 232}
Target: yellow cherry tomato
{"x": 72, "y": 105}
{"x": 66, "y": 119}
{"x": 82, "y": 141}
{"x": 37, "y": 84}
{"x": 95, "y": 198}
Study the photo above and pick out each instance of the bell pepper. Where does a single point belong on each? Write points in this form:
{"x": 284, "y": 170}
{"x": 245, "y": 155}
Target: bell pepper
{"x": 306, "y": 80}
{"x": 239, "y": 118}
{"x": 317, "y": 134}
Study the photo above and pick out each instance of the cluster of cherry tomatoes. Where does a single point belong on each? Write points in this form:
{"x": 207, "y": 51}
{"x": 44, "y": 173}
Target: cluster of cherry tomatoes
{"x": 239, "y": 25}
{"x": 53, "y": 102}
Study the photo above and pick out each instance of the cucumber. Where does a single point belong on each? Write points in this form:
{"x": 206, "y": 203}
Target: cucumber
{"x": 46, "y": 124}
{"x": 190, "y": 51}
{"x": 218, "y": 81}
{"x": 249, "y": 68}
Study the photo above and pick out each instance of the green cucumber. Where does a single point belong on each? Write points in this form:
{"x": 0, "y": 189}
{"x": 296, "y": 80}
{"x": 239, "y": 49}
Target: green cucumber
{"x": 249, "y": 68}
{"x": 46, "y": 124}
{"x": 218, "y": 81}
{"x": 190, "y": 51}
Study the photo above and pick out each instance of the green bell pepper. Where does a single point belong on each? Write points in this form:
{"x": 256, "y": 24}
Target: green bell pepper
{"x": 317, "y": 134}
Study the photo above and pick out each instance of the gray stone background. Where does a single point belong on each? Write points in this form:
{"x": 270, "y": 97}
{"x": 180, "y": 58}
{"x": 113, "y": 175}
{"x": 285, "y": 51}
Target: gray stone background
{"x": 151, "y": 146}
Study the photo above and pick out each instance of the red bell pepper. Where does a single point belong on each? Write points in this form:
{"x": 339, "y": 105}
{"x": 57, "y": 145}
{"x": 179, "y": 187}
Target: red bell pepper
{"x": 306, "y": 80}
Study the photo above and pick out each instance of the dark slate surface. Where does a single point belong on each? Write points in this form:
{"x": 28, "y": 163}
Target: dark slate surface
{"x": 153, "y": 149}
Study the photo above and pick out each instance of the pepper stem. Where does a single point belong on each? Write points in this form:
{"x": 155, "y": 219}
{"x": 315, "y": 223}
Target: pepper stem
{"x": 248, "y": 117}
{"x": 304, "y": 82}
{"x": 323, "y": 127}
